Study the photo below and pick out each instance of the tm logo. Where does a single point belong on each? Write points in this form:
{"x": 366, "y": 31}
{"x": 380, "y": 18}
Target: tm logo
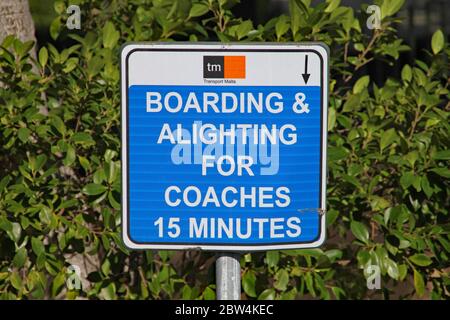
{"x": 214, "y": 67}
{"x": 224, "y": 67}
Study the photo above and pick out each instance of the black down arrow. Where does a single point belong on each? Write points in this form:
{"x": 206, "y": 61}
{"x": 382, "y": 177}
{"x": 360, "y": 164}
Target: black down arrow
{"x": 306, "y": 75}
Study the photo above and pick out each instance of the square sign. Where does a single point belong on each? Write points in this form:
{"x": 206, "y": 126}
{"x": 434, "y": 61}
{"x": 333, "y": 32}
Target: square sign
{"x": 224, "y": 145}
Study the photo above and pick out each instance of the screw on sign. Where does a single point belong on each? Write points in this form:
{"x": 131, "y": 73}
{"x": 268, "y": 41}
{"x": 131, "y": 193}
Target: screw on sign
{"x": 227, "y": 155}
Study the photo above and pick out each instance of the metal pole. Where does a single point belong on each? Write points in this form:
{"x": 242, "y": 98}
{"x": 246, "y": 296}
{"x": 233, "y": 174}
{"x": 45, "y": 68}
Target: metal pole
{"x": 228, "y": 276}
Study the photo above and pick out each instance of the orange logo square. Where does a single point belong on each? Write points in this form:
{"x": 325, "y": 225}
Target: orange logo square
{"x": 234, "y": 67}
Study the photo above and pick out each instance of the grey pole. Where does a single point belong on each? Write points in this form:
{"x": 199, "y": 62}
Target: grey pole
{"x": 228, "y": 276}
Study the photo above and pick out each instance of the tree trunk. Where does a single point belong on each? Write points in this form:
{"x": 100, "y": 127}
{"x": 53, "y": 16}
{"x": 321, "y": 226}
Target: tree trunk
{"x": 15, "y": 18}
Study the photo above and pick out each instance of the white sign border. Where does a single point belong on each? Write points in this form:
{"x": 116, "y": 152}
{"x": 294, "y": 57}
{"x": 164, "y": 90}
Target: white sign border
{"x": 127, "y": 48}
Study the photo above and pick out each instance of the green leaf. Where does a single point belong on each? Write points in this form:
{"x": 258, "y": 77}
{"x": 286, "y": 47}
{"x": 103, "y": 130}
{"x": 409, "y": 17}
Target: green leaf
{"x": 331, "y": 118}
{"x": 426, "y": 187}
{"x": 378, "y": 203}
{"x": 402, "y": 271}
{"x": 296, "y": 17}
{"x": 209, "y": 294}
{"x": 333, "y": 254}
{"x": 332, "y": 5}
{"x": 93, "y": 189}
{"x": 310, "y": 283}
{"x": 37, "y": 246}
{"x": 59, "y": 7}
{"x": 109, "y": 292}
{"x": 281, "y": 280}
{"x": 16, "y": 280}
{"x": 58, "y": 124}
{"x": 407, "y": 180}
{"x": 443, "y": 172}
{"x": 55, "y": 28}
{"x": 337, "y": 153}
{"x": 82, "y": 138}
{"x": 70, "y": 64}
{"x": 444, "y": 243}
{"x": 4, "y": 183}
{"x": 419, "y": 284}
{"x": 23, "y": 134}
{"x": 15, "y": 232}
{"x": 84, "y": 163}
{"x": 352, "y": 103}
{"x": 186, "y": 292}
{"x": 95, "y": 65}
{"x": 43, "y": 57}
{"x": 110, "y": 155}
{"x": 40, "y": 161}
{"x": 106, "y": 267}
{"x": 272, "y": 258}
{"x": 302, "y": 6}
{"x": 248, "y": 283}
{"x": 437, "y": 41}
{"x": 392, "y": 268}
{"x": 412, "y": 157}
{"x": 113, "y": 202}
{"x": 331, "y": 216}
{"x": 407, "y": 73}
{"x": 20, "y": 258}
{"x": 388, "y": 137}
{"x": 58, "y": 283}
{"x": 360, "y": 231}
{"x": 421, "y": 260}
{"x": 243, "y": 29}
{"x": 198, "y": 9}
{"x": 361, "y": 84}
{"x": 390, "y": 7}
{"x": 442, "y": 155}
{"x": 5, "y": 224}
{"x": 268, "y": 294}
{"x": 110, "y": 35}
{"x": 70, "y": 156}
{"x": 281, "y": 27}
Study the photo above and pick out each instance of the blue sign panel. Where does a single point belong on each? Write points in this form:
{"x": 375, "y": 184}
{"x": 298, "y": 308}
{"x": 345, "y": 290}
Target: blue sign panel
{"x": 224, "y": 148}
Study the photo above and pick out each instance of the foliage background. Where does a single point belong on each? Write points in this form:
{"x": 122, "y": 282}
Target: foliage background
{"x": 388, "y": 187}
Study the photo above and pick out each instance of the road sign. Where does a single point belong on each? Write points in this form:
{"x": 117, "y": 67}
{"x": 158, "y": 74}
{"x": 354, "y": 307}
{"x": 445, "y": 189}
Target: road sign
{"x": 224, "y": 145}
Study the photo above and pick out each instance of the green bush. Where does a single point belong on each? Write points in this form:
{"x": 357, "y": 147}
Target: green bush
{"x": 388, "y": 187}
